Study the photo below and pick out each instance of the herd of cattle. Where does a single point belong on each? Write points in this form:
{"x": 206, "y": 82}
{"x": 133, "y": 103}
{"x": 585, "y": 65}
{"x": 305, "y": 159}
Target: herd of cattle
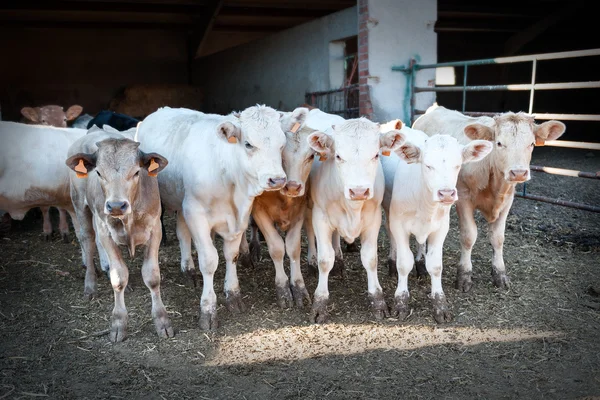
{"x": 282, "y": 171}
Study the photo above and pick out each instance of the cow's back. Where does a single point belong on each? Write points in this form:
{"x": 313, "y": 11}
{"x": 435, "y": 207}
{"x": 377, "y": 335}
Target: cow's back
{"x": 32, "y": 166}
{"x": 440, "y": 120}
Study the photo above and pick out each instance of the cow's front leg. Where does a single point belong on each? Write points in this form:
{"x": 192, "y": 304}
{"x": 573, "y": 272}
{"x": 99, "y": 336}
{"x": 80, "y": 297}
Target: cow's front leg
{"x": 87, "y": 240}
{"x": 200, "y": 230}
{"x": 404, "y": 264}
{"x": 151, "y": 275}
{"x": 47, "y": 223}
{"x": 368, "y": 256}
{"x": 313, "y": 264}
{"x": 63, "y": 224}
{"x": 185, "y": 247}
{"x": 391, "y": 262}
{"x": 496, "y": 232}
{"x": 245, "y": 259}
{"x": 276, "y": 251}
{"x": 468, "y": 236}
{"x": 119, "y": 277}
{"x": 325, "y": 257}
{"x": 339, "y": 268}
{"x": 233, "y": 294}
{"x": 293, "y": 247}
{"x": 433, "y": 260}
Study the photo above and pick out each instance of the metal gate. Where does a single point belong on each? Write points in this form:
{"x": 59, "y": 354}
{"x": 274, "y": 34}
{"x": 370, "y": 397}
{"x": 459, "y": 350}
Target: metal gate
{"x": 413, "y": 68}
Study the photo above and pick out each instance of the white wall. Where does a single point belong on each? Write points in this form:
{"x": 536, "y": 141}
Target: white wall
{"x": 400, "y": 30}
{"x": 277, "y": 70}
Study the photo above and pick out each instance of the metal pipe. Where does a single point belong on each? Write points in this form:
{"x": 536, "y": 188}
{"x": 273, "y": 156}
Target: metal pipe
{"x": 541, "y": 116}
{"x": 533, "y": 70}
{"x": 515, "y": 59}
{"x": 565, "y": 203}
{"x": 516, "y": 87}
{"x": 573, "y": 145}
{"x": 565, "y": 172}
{"x": 464, "y": 98}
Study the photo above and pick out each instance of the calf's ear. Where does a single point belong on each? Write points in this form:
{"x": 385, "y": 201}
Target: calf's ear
{"x": 82, "y": 163}
{"x": 409, "y": 152}
{"x": 479, "y": 132}
{"x": 73, "y": 112}
{"x": 153, "y": 162}
{"x": 391, "y": 141}
{"x": 549, "y": 130}
{"x": 292, "y": 122}
{"x": 229, "y": 132}
{"x": 390, "y": 125}
{"x": 476, "y": 150}
{"x": 322, "y": 143}
{"x": 31, "y": 114}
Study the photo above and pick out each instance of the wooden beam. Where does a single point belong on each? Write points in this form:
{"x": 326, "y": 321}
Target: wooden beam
{"x": 275, "y": 12}
{"x": 202, "y": 27}
{"x": 127, "y": 6}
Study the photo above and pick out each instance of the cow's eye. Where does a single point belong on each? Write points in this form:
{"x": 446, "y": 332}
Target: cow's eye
{"x": 376, "y": 156}
{"x": 43, "y": 121}
{"x": 64, "y": 120}
{"x": 137, "y": 173}
{"x": 98, "y": 172}
{"x": 429, "y": 167}
{"x": 499, "y": 144}
{"x": 311, "y": 157}
{"x": 248, "y": 146}
{"x": 532, "y": 144}
{"x": 337, "y": 157}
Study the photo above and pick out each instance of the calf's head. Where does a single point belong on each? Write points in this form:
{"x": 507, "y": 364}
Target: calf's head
{"x": 354, "y": 146}
{"x": 297, "y": 155}
{"x": 441, "y": 157}
{"x": 118, "y": 164}
{"x": 514, "y": 137}
{"x": 51, "y": 115}
{"x": 259, "y": 140}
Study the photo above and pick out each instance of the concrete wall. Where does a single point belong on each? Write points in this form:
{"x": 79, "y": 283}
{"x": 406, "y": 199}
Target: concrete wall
{"x": 399, "y": 30}
{"x": 277, "y": 70}
{"x": 83, "y": 66}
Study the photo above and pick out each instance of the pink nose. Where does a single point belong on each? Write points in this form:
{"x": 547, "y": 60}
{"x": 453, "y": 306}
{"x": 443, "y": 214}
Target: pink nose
{"x": 359, "y": 194}
{"x": 518, "y": 175}
{"x": 292, "y": 188}
{"x": 276, "y": 183}
{"x": 447, "y": 195}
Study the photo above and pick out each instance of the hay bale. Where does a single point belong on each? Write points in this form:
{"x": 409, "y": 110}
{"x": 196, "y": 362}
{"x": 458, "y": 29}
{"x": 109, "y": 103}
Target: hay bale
{"x": 141, "y": 100}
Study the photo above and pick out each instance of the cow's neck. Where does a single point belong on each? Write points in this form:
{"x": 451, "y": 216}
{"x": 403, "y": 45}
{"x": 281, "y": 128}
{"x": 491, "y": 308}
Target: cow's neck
{"x": 500, "y": 191}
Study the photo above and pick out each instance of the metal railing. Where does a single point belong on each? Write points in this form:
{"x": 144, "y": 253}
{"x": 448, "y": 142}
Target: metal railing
{"x": 343, "y": 102}
{"x": 413, "y": 68}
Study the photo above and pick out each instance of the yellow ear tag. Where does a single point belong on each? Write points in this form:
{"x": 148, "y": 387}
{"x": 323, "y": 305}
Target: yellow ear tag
{"x": 539, "y": 142}
{"x": 232, "y": 139}
{"x": 322, "y": 157}
{"x": 153, "y": 166}
{"x": 385, "y": 153}
{"x": 80, "y": 169}
{"x": 295, "y": 127}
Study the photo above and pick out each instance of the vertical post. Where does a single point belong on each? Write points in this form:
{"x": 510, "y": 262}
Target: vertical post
{"x": 413, "y": 96}
{"x": 464, "y": 102}
{"x": 531, "y": 93}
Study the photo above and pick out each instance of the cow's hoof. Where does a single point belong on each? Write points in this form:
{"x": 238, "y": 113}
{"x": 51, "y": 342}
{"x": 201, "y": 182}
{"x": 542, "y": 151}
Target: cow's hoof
{"x": 300, "y": 295}
{"x": 319, "y": 314}
{"x": 500, "y": 279}
{"x": 339, "y": 269}
{"x": 65, "y": 238}
{"x": 208, "y": 320}
{"x": 441, "y": 309}
{"x": 421, "y": 269}
{"x": 245, "y": 260}
{"x": 464, "y": 282}
{"x": 284, "y": 296}
{"x": 46, "y": 237}
{"x": 89, "y": 293}
{"x": 118, "y": 329}
{"x": 163, "y": 325}
{"x": 352, "y": 247}
{"x": 401, "y": 308}
{"x": 234, "y": 303}
{"x": 392, "y": 269}
{"x": 254, "y": 248}
{"x": 378, "y": 305}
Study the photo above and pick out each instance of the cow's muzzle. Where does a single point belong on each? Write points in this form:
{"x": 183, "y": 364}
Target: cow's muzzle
{"x": 518, "y": 175}
{"x": 117, "y": 208}
{"x": 292, "y": 189}
{"x": 275, "y": 183}
{"x": 359, "y": 193}
{"x": 447, "y": 196}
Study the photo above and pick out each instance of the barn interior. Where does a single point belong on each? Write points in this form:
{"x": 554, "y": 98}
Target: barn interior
{"x": 88, "y": 52}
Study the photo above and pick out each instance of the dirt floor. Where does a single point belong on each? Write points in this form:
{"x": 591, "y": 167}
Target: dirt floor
{"x": 540, "y": 339}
